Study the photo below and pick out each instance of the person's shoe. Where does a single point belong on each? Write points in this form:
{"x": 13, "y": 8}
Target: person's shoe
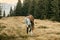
{"x": 31, "y": 33}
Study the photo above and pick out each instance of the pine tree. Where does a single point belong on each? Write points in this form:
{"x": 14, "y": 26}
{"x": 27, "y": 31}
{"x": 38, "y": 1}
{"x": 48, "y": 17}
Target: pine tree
{"x": 25, "y": 8}
{"x": 4, "y": 14}
{"x": 49, "y": 9}
{"x": 0, "y": 11}
{"x": 8, "y": 15}
{"x": 59, "y": 7}
{"x": 18, "y": 9}
{"x": 40, "y": 9}
{"x": 11, "y": 12}
{"x": 56, "y": 10}
{"x": 32, "y": 7}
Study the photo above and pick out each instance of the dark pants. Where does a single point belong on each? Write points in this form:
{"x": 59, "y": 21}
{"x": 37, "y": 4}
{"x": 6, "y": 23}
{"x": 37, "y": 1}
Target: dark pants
{"x": 31, "y": 27}
{"x": 28, "y": 29}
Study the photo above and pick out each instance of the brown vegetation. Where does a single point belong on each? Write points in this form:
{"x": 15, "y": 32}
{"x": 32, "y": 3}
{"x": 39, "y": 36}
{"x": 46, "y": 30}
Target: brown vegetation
{"x": 14, "y": 28}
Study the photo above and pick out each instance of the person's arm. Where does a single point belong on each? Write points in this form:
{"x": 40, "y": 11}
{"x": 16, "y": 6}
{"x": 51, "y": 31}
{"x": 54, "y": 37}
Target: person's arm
{"x": 32, "y": 18}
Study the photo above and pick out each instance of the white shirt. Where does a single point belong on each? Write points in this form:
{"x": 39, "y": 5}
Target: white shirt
{"x": 27, "y": 21}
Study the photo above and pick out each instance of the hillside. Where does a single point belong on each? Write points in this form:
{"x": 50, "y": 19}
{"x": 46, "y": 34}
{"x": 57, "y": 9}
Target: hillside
{"x": 14, "y": 28}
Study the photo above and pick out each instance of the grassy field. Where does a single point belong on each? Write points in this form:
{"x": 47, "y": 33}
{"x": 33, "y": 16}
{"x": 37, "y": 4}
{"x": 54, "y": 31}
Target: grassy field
{"x": 14, "y": 28}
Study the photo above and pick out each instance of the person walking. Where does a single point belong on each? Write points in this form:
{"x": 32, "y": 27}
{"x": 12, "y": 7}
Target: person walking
{"x": 29, "y": 20}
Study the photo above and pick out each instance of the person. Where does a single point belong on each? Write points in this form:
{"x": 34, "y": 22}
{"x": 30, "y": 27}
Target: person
{"x": 29, "y": 20}
{"x": 28, "y": 23}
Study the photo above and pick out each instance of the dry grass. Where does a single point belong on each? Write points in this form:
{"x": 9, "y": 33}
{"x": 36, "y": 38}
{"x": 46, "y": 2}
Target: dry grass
{"x": 14, "y": 28}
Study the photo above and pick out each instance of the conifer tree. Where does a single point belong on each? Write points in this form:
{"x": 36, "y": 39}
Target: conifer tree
{"x": 4, "y": 14}
{"x": 18, "y": 9}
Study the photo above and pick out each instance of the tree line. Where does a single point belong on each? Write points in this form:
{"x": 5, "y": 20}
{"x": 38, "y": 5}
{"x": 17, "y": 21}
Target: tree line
{"x": 1, "y": 12}
{"x": 40, "y": 9}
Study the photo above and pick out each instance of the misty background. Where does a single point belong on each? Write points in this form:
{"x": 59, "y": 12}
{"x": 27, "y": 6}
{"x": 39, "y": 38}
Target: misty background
{"x": 7, "y": 4}
{"x": 40, "y": 9}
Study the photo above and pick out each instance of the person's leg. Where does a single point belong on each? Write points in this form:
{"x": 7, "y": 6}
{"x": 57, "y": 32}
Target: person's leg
{"x": 32, "y": 24}
{"x": 31, "y": 28}
{"x": 28, "y": 28}
{"x": 31, "y": 31}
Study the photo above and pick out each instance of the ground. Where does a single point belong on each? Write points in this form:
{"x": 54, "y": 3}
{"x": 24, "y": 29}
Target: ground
{"x": 14, "y": 28}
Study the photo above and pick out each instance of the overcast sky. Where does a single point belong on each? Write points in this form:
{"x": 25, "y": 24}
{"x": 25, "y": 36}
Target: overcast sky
{"x": 6, "y": 7}
{"x": 9, "y": 1}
